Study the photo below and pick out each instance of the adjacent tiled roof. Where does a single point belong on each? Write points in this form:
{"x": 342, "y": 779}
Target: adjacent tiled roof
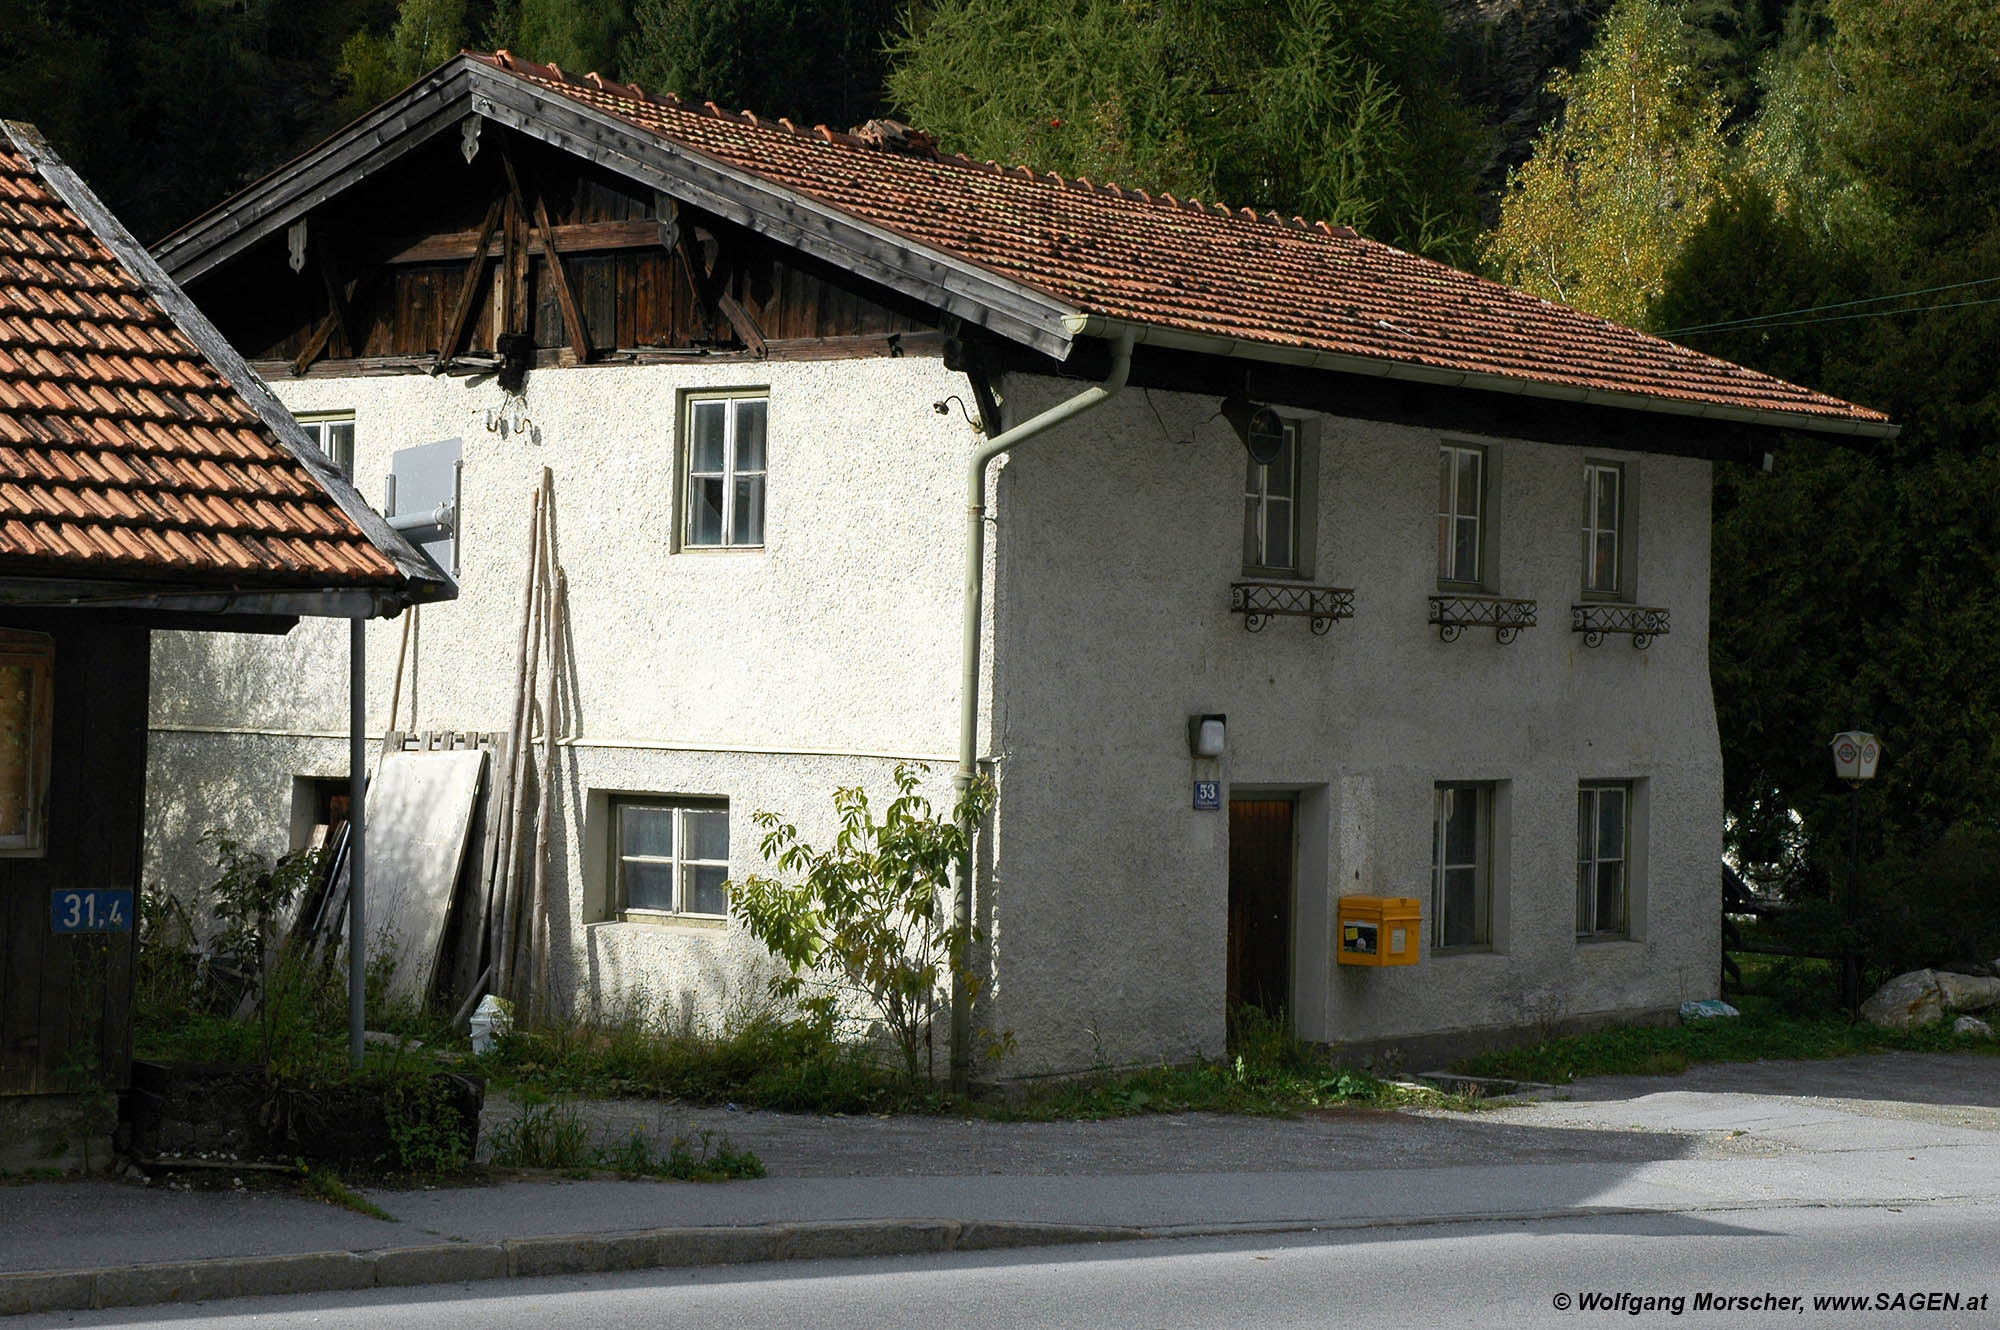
{"x": 125, "y": 453}
{"x": 1200, "y": 268}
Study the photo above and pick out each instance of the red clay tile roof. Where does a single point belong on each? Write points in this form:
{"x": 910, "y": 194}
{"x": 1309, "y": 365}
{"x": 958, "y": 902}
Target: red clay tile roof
{"x": 126, "y": 455}
{"x": 1203, "y": 270}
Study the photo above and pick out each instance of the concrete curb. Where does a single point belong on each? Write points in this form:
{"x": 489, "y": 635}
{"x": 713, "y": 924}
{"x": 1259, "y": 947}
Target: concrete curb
{"x": 521, "y": 1258}
{"x": 669, "y": 1248}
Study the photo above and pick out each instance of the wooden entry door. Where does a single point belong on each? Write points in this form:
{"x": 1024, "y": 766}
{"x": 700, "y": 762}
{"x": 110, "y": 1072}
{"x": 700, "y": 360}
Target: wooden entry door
{"x": 1260, "y": 904}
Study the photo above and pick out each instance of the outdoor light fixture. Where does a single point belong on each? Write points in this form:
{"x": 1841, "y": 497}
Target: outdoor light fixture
{"x": 1261, "y": 429}
{"x": 517, "y": 357}
{"x": 1855, "y": 753}
{"x": 1205, "y": 735}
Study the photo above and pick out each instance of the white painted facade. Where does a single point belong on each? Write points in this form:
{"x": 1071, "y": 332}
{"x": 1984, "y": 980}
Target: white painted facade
{"x": 768, "y": 677}
{"x": 1108, "y": 906}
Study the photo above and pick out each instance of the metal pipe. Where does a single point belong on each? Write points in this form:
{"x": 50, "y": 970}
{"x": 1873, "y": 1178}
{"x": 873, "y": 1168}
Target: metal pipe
{"x": 968, "y": 681}
{"x": 357, "y": 840}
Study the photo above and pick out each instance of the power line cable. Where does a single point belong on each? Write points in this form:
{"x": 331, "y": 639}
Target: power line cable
{"x": 1843, "y": 318}
{"x": 1842, "y": 304}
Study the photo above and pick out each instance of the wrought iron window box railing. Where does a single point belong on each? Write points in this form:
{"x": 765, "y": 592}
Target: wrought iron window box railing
{"x": 1260, "y": 602}
{"x": 1454, "y": 614}
{"x": 1642, "y": 623}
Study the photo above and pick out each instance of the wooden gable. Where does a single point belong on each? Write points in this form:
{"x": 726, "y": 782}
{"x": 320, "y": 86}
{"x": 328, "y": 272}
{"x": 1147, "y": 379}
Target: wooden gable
{"x": 427, "y": 263}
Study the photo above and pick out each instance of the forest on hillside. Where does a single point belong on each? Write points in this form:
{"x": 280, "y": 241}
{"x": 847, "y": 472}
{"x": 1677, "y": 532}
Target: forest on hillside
{"x": 1809, "y": 187}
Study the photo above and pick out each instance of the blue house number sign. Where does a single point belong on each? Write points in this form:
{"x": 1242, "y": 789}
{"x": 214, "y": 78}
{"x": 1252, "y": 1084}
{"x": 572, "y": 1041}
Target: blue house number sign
{"x": 99, "y": 910}
{"x": 1208, "y": 794}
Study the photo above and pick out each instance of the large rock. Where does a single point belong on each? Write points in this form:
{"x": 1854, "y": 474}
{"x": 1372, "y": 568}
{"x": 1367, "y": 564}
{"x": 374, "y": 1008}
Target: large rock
{"x": 1906, "y": 1001}
{"x": 1972, "y": 1025}
{"x": 1968, "y": 992}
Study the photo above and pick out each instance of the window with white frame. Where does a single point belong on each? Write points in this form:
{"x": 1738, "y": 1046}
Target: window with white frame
{"x": 1278, "y": 507}
{"x": 333, "y": 434}
{"x": 1462, "y": 866}
{"x": 723, "y": 489}
{"x": 1603, "y": 527}
{"x": 1603, "y": 858}
{"x": 670, "y": 858}
{"x": 1461, "y": 513}
{"x": 27, "y": 712}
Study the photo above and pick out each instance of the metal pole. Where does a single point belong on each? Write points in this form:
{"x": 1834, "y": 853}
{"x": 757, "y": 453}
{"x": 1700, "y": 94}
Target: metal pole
{"x": 357, "y": 841}
{"x": 1850, "y": 957}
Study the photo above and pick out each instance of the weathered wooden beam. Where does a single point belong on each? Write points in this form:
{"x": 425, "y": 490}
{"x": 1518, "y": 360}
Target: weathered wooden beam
{"x": 958, "y": 286}
{"x": 739, "y": 319}
{"x": 572, "y": 237}
{"x": 315, "y": 344}
{"x": 336, "y": 297}
{"x": 433, "y": 106}
{"x": 515, "y": 314}
{"x": 579, "y": 340}
{"x": 468, "y": 289}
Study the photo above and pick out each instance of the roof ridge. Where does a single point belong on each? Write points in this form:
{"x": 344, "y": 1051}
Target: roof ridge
{"x": 596, "y": 82}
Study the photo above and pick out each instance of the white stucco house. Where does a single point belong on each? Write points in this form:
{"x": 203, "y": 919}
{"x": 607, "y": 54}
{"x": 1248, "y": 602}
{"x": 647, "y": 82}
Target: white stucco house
{"x": 1433, "y": 551}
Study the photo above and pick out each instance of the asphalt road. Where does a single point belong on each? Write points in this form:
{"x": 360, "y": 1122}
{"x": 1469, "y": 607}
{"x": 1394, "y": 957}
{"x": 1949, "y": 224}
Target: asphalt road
{"x": 1510, "y": 1274}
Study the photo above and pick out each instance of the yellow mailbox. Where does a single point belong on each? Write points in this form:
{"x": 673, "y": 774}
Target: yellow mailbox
{"x": 1379, "y": 930}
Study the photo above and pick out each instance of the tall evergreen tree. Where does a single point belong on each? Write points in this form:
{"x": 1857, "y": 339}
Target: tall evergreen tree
{"x": 1334, "y": 109}
{"x": 815, "y": 61}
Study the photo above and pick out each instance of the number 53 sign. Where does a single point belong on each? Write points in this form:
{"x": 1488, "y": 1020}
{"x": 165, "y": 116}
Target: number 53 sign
{"x": 99, "y": 910}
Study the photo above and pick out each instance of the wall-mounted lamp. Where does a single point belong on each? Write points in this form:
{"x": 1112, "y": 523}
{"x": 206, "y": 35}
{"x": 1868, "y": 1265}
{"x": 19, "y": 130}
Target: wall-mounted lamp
{"x": 1206, "y": 735}
{"x": 1261, "y": 429}
{"x": 517, "y": 357}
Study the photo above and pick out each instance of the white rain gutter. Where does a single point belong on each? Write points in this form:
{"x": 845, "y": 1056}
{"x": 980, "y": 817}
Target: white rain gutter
{"x": 1121, "y": 340}
{"x": 1243, "y": 348}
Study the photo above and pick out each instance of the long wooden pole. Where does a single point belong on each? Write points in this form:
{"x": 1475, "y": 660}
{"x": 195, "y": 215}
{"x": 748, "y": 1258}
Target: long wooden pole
{"x": 497, "y": 923}
{"x": 538, "y": 935}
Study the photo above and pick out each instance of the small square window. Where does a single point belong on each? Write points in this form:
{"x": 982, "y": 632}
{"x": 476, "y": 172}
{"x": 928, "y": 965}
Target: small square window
{"x": 1603, "y": 858}
{"x": 1603, "y": 528}
{"x": 670, "y": 858}
{"x": 1462, "y": 866}
{"x": 722, "y": 491}
{"x": 1461, "y": 514}
{"x": 27, "y": 713}
{"x": 333, "y": 435}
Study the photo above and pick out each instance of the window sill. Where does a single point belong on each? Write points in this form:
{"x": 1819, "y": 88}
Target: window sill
{"x": 1603, "y": 939}
{"x": 1261, "y": 601}
{"x": 1642, "y": 623}
{"x": 1453, "y": 613}
{"x": 1466, "y": 949}
{"x": 720, "y": 549}
{"x": 662, "y": 918}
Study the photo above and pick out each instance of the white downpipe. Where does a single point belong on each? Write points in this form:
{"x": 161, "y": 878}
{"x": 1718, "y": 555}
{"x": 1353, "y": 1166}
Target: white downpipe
{"x": 968, "y": 683}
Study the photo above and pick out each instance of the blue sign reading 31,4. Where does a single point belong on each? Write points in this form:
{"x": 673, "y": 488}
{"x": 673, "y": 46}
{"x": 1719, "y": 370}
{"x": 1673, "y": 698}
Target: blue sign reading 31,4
{"x": 99, "y": 910}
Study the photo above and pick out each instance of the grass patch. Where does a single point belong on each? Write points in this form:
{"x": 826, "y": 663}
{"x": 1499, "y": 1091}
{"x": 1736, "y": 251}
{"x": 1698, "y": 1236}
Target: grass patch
{"x": 763, "y": 1060}
{"x": 325, "y": 1185}
{"x": 1788, "y": 1019}
{"x": 800, "y": 1064}
{"x": 551, "y": 1134}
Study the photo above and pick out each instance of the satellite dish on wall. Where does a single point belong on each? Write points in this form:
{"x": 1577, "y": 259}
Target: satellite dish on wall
{"x": 1261, "y": 429}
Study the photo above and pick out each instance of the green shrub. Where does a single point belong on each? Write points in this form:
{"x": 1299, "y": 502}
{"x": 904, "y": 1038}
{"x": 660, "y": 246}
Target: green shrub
{"x": 869, "y": 919}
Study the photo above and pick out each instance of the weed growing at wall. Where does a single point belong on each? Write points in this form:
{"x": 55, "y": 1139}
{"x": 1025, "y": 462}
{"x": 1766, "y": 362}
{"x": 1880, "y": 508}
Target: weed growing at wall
{"x": 869, "y": 918}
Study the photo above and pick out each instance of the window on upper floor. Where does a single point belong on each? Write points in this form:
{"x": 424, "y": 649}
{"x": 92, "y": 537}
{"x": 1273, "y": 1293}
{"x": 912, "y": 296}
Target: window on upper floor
{"x": 1462, "y": 865}
{"x": 1603, "y": 858}
{"x": 1603, "y": 528}
{"x": 1461, "y": 514}
{"x": 333, "y": 434}
{"x": 670, "y": 858}
{"x": 1279, "y": 504}
{"x": 27, "y": 711}
{"x": 722, "y": 490}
